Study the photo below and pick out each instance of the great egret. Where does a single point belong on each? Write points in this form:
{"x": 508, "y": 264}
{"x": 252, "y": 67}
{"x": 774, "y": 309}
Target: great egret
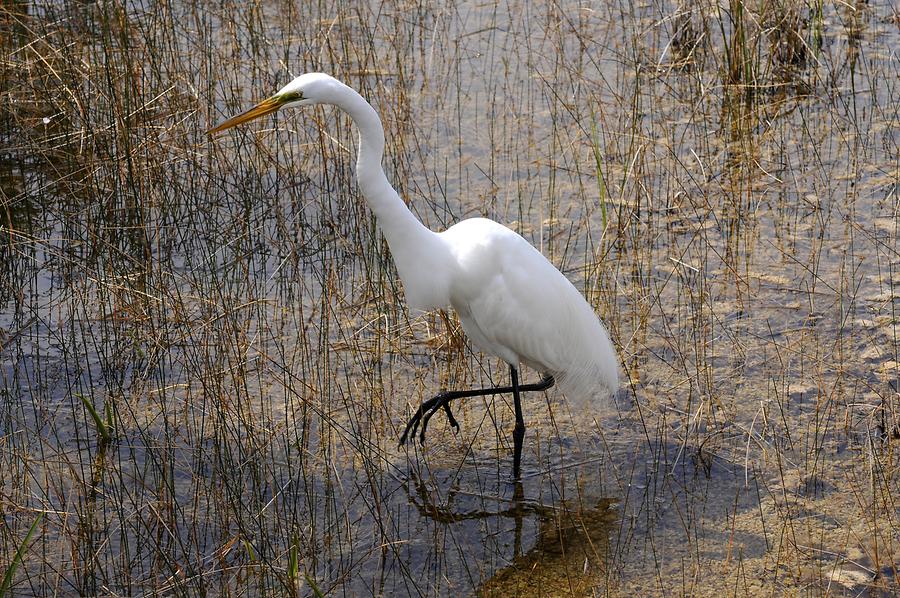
{"x": 512, "y": 302}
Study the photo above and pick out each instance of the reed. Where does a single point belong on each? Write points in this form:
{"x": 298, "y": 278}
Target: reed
{"x": 205, "y": 355}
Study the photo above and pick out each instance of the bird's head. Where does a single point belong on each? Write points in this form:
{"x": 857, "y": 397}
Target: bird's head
{"x": 305, "y": 90}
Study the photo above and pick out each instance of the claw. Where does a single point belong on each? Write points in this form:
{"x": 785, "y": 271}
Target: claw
{"x": 450, "y": 418}
{"x": 424, "y": 413}
{"x": 411, "y": 426}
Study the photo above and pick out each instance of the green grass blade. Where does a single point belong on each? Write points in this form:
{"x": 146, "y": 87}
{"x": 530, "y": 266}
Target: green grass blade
{"x": 598, "y": 164}
{"x": 102, "y": 429}
{"x": 17, "y": 558}
{"x": 313, "y": 586}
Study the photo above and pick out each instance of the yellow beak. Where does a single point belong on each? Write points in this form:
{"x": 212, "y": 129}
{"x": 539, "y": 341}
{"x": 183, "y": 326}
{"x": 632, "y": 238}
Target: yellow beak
{"x": 263, "y": 108}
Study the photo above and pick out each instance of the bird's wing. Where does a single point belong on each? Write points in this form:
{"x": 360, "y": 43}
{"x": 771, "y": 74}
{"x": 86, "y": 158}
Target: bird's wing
{"x": 512, "y": 301}
{"x": 515, "y": 304}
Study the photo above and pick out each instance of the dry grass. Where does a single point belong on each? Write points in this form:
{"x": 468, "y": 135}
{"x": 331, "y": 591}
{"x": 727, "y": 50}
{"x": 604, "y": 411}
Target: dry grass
{"x": 205, "y": 356}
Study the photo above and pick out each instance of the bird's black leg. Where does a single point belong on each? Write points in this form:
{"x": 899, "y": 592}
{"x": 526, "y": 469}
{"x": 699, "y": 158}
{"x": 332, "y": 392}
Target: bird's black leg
{"x": 519, "y": 430}
{"x": 442, "y": 401}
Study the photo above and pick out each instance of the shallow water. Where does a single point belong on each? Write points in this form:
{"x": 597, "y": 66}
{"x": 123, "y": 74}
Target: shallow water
{"x": 229, "y": 310}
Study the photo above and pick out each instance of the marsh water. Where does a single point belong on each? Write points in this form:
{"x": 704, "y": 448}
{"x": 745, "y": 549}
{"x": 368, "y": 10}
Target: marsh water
{"x": 206, "y": 360}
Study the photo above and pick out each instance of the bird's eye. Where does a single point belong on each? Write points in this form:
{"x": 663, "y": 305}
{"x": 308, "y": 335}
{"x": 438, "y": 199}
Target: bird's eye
{"x": 291, "y": 96}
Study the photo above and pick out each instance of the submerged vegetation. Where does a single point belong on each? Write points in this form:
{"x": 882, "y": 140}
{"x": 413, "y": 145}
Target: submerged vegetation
{"x": 206, "y": 361}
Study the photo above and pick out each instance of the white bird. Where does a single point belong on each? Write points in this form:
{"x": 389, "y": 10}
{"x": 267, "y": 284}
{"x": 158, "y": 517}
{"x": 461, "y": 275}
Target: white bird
{"x": 511, "y": 301}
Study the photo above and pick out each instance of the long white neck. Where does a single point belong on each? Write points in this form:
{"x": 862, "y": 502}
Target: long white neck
{"x": 422, "y": 258}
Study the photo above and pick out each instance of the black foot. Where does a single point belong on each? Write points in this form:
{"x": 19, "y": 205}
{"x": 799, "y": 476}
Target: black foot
{"x": 424, "y": 413}
{"x": 442, "y": 401}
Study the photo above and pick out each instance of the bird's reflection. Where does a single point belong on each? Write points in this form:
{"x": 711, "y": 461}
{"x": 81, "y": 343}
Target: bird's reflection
{"x": 567, "y": 558}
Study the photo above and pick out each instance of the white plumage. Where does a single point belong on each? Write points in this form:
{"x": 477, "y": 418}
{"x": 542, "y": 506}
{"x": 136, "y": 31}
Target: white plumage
{"x": 512, "y": 302}
{"x": 515, "y": 304}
